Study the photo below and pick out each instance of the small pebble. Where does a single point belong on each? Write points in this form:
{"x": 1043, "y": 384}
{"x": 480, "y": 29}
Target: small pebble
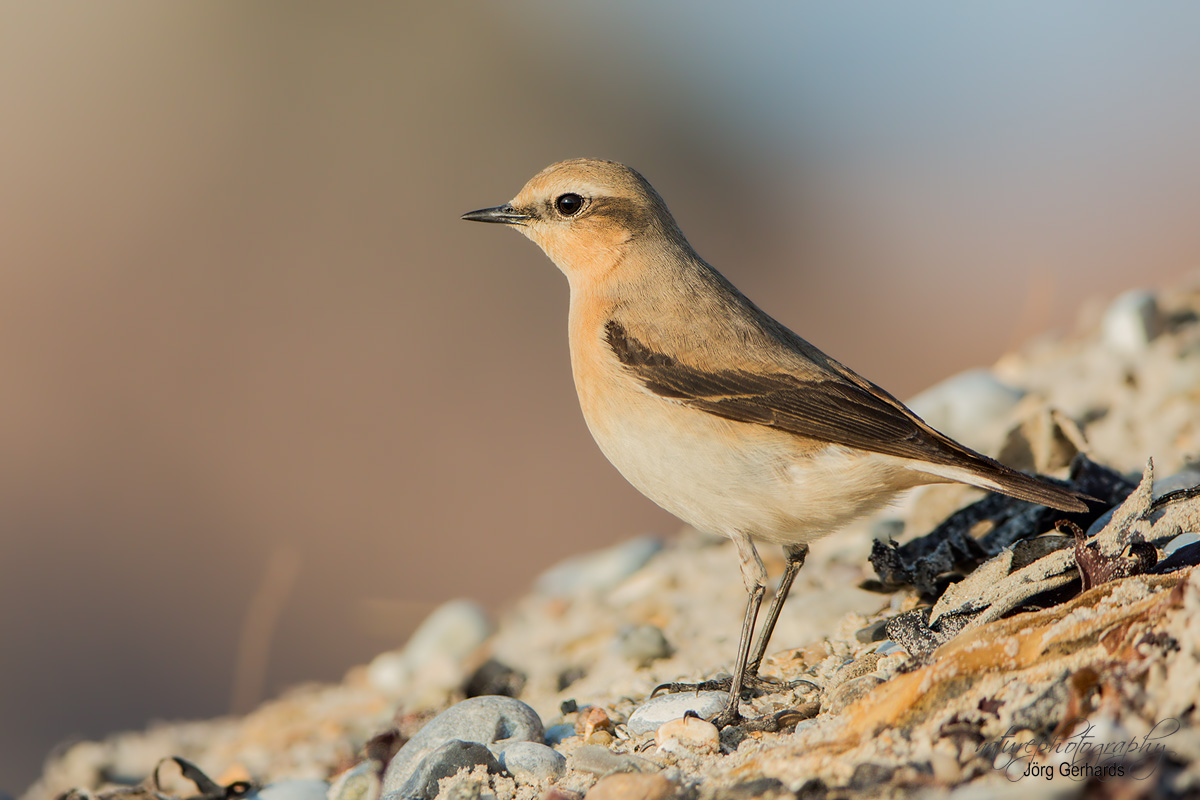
{"x": 447, "y": 636}
{"x": 292, "y": 790}
{"x": 597, "y": 571}
{"x": 642, "y": 644}
{"x": 530, "y": 762}
{"x": 355, "y": 783}
{"x": 557, "y": 734}
{"x": 600, "y": 737}
{"x": 688, "y": 735}
{"x": 875, "y": 632}
{"x": 592, "y": 718}
{"x": 650, "y": 715}
{"x": 602, "y": 761}
{"x": 1131, "y": 322}
{"x": 443, "y": 762}
{"x": 631, "y": 787}
{"x": 477, "y": 719}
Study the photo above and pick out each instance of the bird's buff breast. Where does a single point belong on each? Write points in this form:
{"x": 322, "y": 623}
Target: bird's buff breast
{"x": 723, "y": 476}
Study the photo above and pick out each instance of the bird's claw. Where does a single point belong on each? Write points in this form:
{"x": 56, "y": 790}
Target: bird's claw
{"x": 714, "y": 685}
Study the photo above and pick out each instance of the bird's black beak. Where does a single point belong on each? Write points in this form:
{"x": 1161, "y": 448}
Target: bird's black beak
{"x": 505, "y": 214}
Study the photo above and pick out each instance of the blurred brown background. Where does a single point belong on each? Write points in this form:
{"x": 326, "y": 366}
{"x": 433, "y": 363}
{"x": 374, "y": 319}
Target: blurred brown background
{"x": 241, "y": 324}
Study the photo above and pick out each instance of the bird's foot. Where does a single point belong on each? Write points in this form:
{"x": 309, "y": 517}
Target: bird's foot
{"x": 728, "y": 716}
{"x": 752, "y": 685}
{"x": 714, "y": 685}
{"x": 784, "y": 720}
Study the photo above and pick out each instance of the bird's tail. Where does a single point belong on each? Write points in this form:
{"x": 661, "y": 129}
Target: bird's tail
{"x": 987, "y": 473}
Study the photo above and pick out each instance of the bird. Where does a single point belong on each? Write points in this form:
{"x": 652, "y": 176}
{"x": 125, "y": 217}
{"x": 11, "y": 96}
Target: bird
{"x": 713, "y": 409}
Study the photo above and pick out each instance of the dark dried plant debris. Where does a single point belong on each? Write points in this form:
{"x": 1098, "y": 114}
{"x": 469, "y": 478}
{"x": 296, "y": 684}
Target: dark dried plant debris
{"x": 931, "y": 562}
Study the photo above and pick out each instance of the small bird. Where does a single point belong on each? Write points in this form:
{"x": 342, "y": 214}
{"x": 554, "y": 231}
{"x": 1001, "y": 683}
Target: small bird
{"x": 713, "y": 409}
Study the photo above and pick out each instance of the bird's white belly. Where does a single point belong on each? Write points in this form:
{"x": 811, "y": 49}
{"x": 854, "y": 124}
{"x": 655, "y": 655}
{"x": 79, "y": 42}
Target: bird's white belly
{"x": 724, "y": 477}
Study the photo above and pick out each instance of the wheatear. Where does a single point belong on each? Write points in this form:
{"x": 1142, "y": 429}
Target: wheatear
{"x": 710, "y": 407}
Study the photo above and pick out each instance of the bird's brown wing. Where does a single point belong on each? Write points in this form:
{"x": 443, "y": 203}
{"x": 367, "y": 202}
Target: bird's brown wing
{"x": 829, "y": 410}
{"x": 839, "y": 410}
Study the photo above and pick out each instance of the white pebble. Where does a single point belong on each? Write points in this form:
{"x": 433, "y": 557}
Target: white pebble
{"x": 1131, "y": 322}
{"x": 965, "y": 406}
{"x": 651, "y": 715}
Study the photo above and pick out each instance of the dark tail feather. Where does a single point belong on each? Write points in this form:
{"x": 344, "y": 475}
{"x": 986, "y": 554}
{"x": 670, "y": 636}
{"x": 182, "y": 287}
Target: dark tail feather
{"x": 994, "y": 476}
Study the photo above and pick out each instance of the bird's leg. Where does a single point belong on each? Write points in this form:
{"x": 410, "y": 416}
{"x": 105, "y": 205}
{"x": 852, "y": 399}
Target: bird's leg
{"x": 745, "y": 672}
{"x": 795, "y": 554}
{"x": 754, "y": 575}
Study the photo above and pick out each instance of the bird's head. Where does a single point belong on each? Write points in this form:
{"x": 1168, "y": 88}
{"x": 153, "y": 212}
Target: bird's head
{"x": 586, "y": 214}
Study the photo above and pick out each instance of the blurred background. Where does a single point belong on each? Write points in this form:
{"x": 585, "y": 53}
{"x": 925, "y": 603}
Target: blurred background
{"x": 257, "y": 375}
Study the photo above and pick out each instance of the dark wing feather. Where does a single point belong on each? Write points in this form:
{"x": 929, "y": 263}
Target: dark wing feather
{"x": 834, "y": 411}
{"x": 838, "y": 410}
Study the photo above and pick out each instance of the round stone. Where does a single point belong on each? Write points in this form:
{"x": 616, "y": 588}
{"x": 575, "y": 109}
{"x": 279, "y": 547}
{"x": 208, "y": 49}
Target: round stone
{"x": 530, "y": 762}
{"x": 485, "y": 720}
{"x": 650, "y": 715}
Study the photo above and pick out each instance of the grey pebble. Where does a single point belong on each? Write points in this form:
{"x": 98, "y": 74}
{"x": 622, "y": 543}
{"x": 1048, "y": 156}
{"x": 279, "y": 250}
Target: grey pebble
{"x": 557, "y": 734}
{"x": 292, "y": 790}
{"x": 599, "y": 571}
{"x": 601, "y": 761}
{"x": 641, "y": 644}
{"x": 875, "y": 632}
{"x": 530, "y": 762}
{"x": 485, "y": 720}
{"x": 650, "y": 715}
{"x": 443, "y": 762}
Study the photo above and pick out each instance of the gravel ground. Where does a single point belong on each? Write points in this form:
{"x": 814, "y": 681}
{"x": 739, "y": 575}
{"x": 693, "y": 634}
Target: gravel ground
{"x": 1055, "y": 664}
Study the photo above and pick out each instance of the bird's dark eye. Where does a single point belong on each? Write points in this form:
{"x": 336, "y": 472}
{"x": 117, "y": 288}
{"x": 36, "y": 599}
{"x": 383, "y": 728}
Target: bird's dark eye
{"x": 568, "y": 204}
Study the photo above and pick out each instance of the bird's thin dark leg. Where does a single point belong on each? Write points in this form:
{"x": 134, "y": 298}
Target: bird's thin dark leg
{"x": 745, "y": 671}
{"x": 729, "y": 715}
{"x": 795, "y": 554}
